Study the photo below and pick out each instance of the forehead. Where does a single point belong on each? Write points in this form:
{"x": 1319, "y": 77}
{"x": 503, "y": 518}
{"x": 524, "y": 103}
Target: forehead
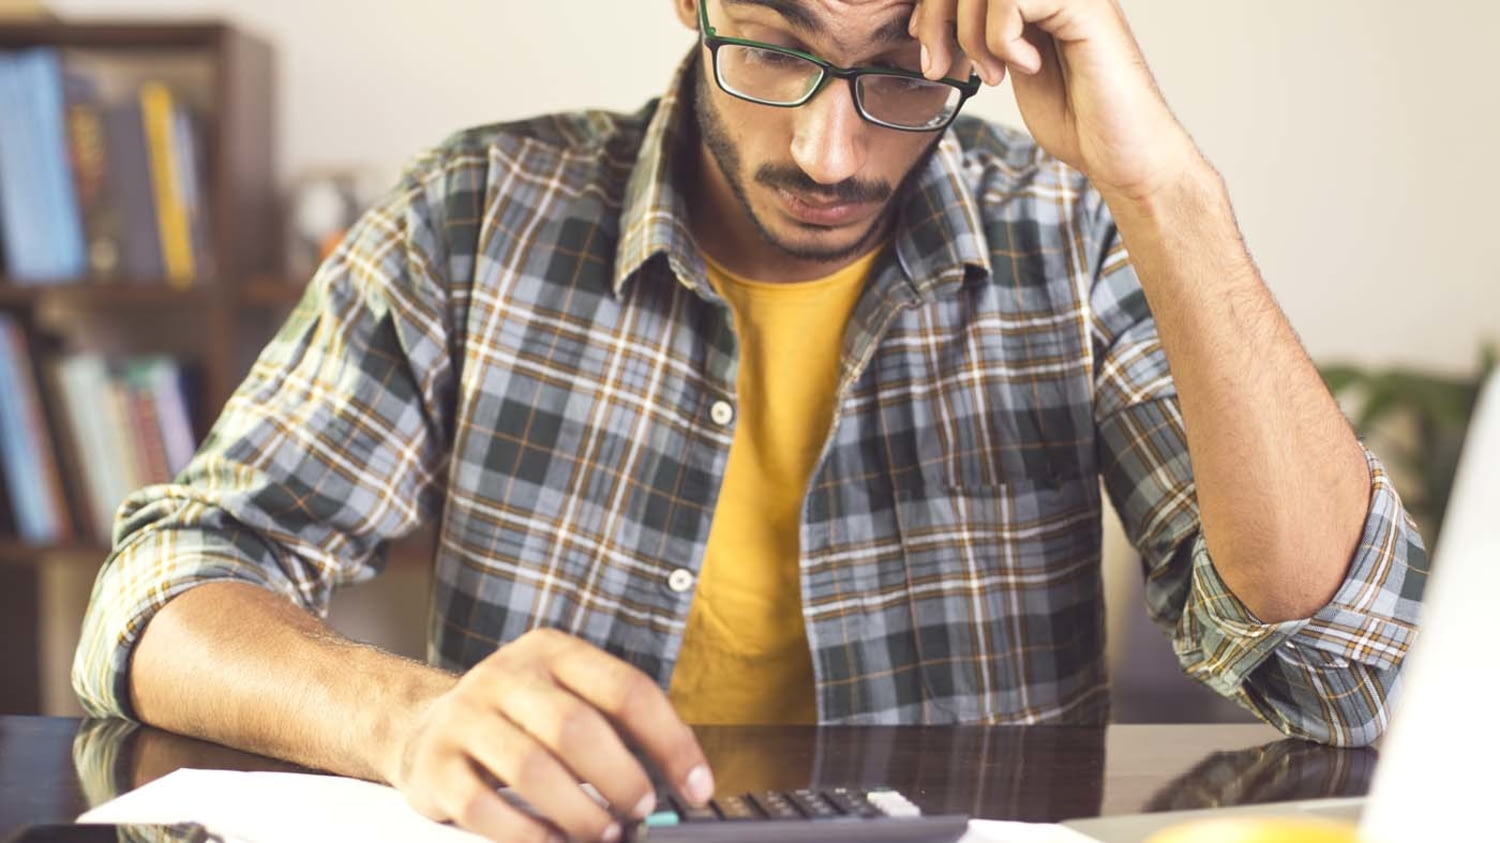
{"x": 844, "y": 23}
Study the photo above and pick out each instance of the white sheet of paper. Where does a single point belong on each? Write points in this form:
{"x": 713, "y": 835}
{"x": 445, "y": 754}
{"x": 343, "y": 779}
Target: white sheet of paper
{"x": 1004, "y": 831}
{"x": 299, "y": 808}
{"x": 278, "y": 808}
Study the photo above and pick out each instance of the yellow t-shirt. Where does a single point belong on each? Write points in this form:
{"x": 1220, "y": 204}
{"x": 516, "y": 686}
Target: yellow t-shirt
{"x": 745, "y": 656}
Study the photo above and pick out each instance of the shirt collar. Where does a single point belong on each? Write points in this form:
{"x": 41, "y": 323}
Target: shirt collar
{"x": 939, "y": 238}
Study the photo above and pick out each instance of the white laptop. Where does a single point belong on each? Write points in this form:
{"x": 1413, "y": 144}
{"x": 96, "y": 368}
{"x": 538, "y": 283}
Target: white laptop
{"x": 1435, "y": 775}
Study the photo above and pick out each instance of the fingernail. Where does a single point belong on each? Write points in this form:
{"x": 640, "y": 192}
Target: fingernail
{"x": 926, "y": 60}
{"x": 611, "y": 834}
{"x": 646, "y": 807}
{"x": 699, "y": 785}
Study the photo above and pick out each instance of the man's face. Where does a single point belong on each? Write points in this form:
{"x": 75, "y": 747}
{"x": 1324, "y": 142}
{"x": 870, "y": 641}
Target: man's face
{"x": 816, "y": 182}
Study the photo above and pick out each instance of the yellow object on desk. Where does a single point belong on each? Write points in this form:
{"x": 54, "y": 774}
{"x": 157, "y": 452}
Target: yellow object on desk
{"x": 1259, "y": 830}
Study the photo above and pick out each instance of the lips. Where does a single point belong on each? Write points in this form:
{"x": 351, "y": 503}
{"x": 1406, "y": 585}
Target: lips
{"x": 821, "y": 211}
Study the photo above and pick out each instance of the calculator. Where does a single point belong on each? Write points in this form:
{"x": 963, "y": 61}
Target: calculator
{"x": 824, "y": 815}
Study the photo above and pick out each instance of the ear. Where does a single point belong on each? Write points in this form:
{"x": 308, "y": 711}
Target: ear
{"x": 687, "y": 12}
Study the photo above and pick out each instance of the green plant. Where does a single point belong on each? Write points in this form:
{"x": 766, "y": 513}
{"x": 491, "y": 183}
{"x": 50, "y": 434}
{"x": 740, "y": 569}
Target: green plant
{"x": 1436, "y": 408}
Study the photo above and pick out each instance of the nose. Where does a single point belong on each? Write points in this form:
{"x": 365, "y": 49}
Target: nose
{"x": 829, "y": 142}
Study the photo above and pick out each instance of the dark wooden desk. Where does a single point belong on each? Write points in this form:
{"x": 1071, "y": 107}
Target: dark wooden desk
{"x": 52, "y": 769}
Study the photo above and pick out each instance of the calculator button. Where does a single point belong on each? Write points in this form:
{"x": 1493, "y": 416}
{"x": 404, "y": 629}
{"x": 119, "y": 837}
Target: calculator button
{"x": 690, "y": 814}
{"x": 853, "y": 804}
{"x": 737, "y": 808}
{"x": 661, "y": 819}
{"x": 815, "y": 807}
{"x": 776, "y": 806}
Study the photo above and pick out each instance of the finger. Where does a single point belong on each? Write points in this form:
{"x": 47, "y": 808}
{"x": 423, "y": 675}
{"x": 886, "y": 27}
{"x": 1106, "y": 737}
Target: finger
{"x": 972, "y": 22}
{"x": 466, "y": 798}
{"x": 584, "y": 741}
{"x": 1005, "y": 37}
{"x": 640, "y": 711}
{"x": 932, "y": 25}
{"x": 1043, "y": 93}
{"x": 503, "y": 749}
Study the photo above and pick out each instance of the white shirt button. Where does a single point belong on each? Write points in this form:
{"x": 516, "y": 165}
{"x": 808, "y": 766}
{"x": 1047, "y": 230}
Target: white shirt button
{"x": 722, "y": 412}
{"x": 680, "y": 580}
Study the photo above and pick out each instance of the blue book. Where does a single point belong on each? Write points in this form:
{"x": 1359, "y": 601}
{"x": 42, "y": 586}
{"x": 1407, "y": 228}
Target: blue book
{"x": 67, "y": 256}
{"x": 30, "y": 475}
{"x": 17, "y": 208}
{"x": 38, "y": 202}
{"x": 24, "y": 221}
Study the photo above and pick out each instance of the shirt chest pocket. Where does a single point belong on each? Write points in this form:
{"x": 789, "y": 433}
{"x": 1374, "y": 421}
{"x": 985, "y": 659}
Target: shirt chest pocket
{"x": 998, "y": 535}
{"x": 1003, "y": 591}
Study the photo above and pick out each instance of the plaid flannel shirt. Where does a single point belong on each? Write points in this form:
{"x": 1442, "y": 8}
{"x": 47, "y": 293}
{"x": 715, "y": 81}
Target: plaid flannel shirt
{"x": 519, "y": 341}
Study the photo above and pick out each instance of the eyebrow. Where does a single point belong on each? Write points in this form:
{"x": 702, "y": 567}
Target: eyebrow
{"x": 893, "y": 32}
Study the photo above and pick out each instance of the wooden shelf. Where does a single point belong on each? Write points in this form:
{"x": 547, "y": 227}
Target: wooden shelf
{"x": 270, "y": 292}
{"x": 261, "y": 292}
{"x": 104, "y": 292}
{"x": 16, "y": 552}
{"x": 148, "y": 35}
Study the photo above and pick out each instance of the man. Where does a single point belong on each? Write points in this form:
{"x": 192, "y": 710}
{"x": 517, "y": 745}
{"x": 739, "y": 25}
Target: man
{"x": 781, "y": 400}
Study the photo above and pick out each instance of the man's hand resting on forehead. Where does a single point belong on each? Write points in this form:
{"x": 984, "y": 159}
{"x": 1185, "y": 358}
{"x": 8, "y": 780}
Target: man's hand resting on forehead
{"x": 1080, "y": 79}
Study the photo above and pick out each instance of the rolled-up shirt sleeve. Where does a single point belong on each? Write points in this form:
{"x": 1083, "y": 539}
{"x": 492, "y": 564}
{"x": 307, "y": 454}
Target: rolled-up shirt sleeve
{"x": 333, "y": 444}
{"x": 1327, "y": 678}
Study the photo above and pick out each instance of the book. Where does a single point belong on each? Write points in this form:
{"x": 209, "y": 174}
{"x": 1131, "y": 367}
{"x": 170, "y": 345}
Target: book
{"x": 67, "y": 256}
{"x": 23, "y": 231}
{"x": 83, "y": 388}
{"x": 33, "y": 483}
{"x": 162, "y": 378}
{"x": 145, "y": 424}
{"x": 38, "y": 201}
{"x": 158, "y": 109}
{"x": 89, "y": 154}
{"x": 189, "y": 151}
{"x": 130, "y": 165}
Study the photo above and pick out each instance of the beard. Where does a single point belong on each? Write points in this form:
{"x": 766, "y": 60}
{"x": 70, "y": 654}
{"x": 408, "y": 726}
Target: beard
{"x": 790, "y": 177}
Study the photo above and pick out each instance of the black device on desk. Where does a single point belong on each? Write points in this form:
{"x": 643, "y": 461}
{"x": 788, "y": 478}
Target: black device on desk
{"x": 814, "y": 816}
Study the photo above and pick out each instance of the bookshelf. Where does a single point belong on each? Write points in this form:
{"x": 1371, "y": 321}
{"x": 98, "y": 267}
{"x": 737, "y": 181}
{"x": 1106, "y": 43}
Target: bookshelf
{"x": 212, "y": 321}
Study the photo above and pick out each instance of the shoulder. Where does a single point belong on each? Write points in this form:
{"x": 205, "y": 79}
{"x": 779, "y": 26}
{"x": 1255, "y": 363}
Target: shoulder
{"x": 577, "y": 147}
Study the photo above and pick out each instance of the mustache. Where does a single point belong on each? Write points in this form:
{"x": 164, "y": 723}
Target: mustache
{"x": 792, "y": 179}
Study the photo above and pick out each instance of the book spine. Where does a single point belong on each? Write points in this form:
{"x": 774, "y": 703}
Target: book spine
{"x": 172, "y": 409}
{"x": 87, "y": 142}
{"x": 126, "y": 435}
{"x": 18, "y": 194}
{"x": 66, "y": 258}
{"x": 134, "y": 202}
{"x": 193, "y": 200}
{"x": 84, "y": 384}
{"x": 20, "y": 473}
{"x": 144, "y": 404}
{"x": 50, "y": 483}
{"x": 176, "y": 239}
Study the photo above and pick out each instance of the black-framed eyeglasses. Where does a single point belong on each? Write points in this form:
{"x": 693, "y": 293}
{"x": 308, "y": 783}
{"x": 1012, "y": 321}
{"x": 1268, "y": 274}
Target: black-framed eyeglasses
{"x": 786, "y": 78}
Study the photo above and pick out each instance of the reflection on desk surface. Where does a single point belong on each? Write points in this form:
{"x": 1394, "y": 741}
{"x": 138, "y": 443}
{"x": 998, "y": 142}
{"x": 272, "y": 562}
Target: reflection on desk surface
{"x": 1039, "y": 774}
{"x": 1276, "y": 772}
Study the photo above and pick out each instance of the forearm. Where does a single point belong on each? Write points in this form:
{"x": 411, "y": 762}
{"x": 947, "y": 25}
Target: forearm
{"x": 1282, "y": 484}
{"x": 239, "y": 665}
